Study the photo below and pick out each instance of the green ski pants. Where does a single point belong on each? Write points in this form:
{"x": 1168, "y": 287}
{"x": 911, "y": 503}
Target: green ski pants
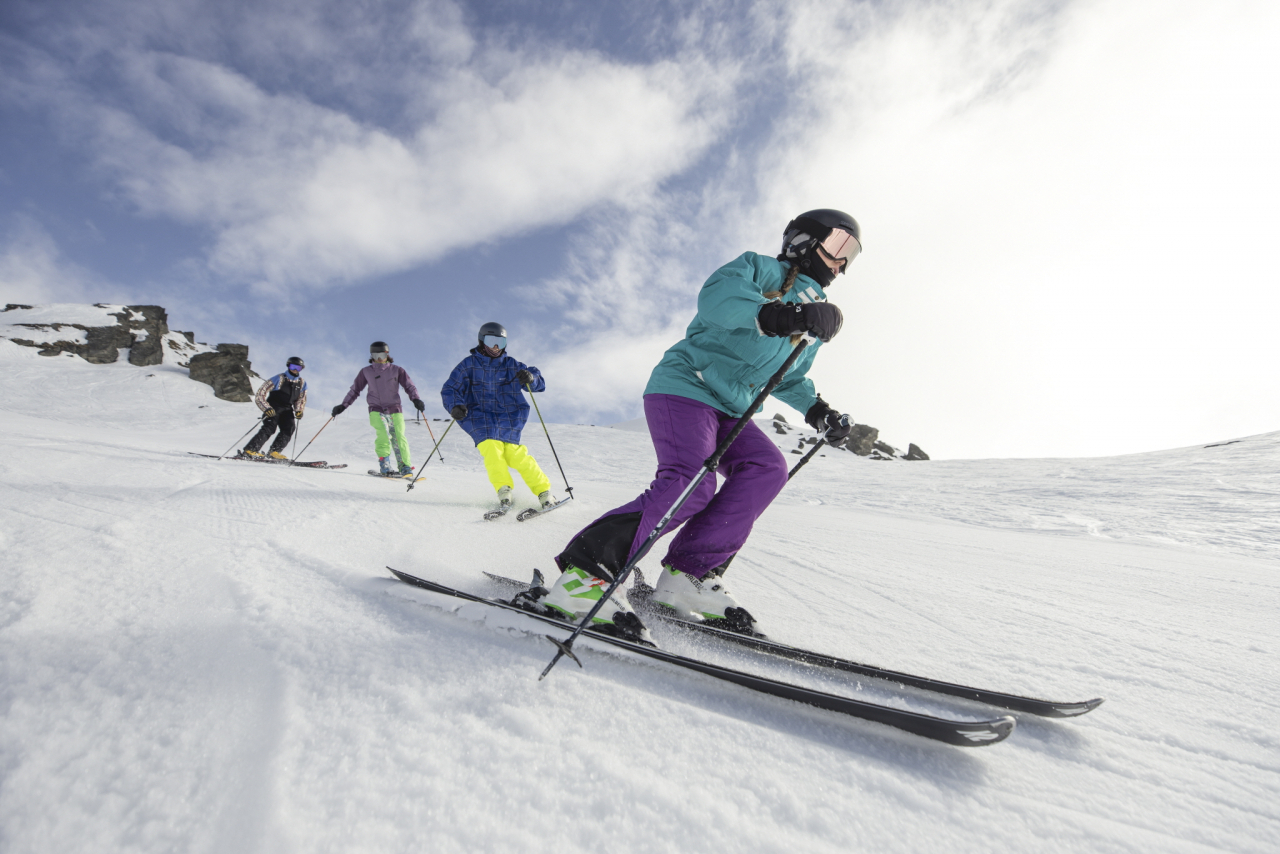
{"x": 382, "y": 442}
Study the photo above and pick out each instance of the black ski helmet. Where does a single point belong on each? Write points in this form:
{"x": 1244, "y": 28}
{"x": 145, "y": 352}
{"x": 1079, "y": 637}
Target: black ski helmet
{"x": 490, "y": 328}
{"x": 807, "y": 231}
{"x": 379, "y": 347}
{"x": 295, "y": 360}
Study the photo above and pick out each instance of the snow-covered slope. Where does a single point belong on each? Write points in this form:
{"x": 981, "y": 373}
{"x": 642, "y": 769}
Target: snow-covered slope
{"x": 208, "y": 656}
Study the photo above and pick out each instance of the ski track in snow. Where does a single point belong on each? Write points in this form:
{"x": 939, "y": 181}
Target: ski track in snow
{"x": 209, "y": 656}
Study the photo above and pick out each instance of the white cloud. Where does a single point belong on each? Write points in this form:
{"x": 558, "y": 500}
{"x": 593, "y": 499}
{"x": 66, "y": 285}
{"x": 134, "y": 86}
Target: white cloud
{"x": 1065, "y": 219}
{"x": 301, "y": 192}
{"x": 34, "y": 272}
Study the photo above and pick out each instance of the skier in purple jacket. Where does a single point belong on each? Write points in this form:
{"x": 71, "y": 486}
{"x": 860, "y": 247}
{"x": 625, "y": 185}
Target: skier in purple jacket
{"x": 384, "y": 379}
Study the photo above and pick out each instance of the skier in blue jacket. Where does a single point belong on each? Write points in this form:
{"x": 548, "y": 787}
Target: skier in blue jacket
{"x": 483, "y": 394}
{"x": 751, "y": 313}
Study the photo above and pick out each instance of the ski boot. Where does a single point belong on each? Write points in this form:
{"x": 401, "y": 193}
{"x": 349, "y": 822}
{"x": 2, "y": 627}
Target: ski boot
{"x": 406, "y": 471}
{"x": 504, "y": 504}
{"x": 384, "y": 465}
{"x": 575, "y": 593}
{"x": 276, "y": 455}
{"x": 702, "y": 600}
{"x": 252, "y": 455}
{"x": 546, "y": 499}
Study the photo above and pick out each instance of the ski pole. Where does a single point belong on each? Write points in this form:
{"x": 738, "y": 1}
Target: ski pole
{"x": 713, "y": 462}
{"x": 567, "y": 487}
{"x": 293, "y": 456}
{"x": 241, "y": 439}
{"x": 432, "y": 434}
{"x": 313, "y": 438}
{"x": 433, "y": 450}
{"x": 722, "y": 568}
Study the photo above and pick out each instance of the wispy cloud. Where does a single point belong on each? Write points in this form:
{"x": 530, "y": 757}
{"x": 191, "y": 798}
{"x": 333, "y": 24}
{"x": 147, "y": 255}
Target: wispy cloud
{"x": 33, "y": 270}
{"x": 300, "y": 190}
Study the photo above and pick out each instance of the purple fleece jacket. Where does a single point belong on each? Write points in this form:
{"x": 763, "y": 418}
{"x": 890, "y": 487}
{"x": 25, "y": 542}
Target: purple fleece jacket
{"x": 384, "y": 382}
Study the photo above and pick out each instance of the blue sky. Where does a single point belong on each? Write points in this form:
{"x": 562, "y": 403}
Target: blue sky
{"x": 1068, "y": 207}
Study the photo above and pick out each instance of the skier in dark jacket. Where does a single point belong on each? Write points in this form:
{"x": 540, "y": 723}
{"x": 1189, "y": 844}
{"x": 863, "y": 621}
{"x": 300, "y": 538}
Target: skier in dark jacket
{"x": 483, "y": 394}
{"x": 282, "y": 399}
{"x": 751, "y": 313}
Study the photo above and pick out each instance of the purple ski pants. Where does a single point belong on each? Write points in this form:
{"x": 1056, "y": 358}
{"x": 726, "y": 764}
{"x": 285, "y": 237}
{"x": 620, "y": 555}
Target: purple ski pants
{"x": 685, "y": 432}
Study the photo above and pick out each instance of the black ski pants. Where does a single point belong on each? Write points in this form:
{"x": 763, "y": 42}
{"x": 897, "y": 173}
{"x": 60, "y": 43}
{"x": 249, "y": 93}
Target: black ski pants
{"x": 285, "y": 421}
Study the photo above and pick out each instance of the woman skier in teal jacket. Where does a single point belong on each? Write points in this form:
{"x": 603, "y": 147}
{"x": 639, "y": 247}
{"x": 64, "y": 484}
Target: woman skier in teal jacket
{"x": 751, "y": 313}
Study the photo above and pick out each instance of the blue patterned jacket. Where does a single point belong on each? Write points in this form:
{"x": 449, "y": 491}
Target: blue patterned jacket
{"x": 487, "y": 386}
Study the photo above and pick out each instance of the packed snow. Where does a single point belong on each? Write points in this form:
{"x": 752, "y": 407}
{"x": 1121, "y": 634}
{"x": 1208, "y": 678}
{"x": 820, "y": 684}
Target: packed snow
{"x": 210, "y": 656}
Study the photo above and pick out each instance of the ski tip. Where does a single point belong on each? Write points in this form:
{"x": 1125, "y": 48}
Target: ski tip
{"x": 1075, "y": 710}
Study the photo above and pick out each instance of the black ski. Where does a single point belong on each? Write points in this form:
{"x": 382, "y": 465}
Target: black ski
{"x": 639, "y": 597}
{"x": 391, "y": 475}
{"x": 957, "y": 732}
{"x": 315, "y": 464}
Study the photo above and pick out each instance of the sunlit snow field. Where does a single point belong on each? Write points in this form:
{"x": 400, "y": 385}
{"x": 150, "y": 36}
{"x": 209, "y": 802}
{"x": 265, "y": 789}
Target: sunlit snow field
{"x": 209, "y": 656}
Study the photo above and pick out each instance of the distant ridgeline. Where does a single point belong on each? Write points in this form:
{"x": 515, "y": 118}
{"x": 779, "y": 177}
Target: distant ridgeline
{"x": 143, "y": 330}
{"x": 863, "y": 441}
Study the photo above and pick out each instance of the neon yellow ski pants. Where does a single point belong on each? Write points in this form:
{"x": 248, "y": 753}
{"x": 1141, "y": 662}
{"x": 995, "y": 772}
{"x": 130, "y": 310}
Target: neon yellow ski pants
{"x": 500, "y": 456}
{"x": 382, "y": 442}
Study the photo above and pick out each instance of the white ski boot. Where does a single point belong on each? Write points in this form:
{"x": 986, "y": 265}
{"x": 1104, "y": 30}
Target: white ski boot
{"x": 546, "y": 499}
{"x": 701, "y": 600}
{"x": 575, "y": 593}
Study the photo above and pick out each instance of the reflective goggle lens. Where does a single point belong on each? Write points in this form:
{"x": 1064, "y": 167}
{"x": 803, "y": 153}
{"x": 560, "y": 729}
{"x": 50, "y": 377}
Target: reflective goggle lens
{"x": 381, "y": 355}
{"x": 495, "y": 341}
{"x": 294, "y": 367}
{"x": 841, "y": 245}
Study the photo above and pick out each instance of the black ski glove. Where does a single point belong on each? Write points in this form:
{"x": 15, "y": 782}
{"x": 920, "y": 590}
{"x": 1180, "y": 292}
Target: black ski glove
{"x": 337, "y": 410}
{"x": 524, "y": 377}
{"x": 268, "y": 413}
{"x": 821, "y": 319}
{"x": 822, "y": 417}
{"x": 459, "y": 412}
{"x": 419, "y": 405}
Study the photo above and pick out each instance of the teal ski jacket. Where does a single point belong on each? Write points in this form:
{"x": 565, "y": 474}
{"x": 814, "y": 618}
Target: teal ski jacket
{"x": 724, "y": 358}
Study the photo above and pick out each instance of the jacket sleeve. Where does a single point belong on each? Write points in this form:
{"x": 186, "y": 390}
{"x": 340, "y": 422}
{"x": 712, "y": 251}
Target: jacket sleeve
{"x": 732, "y": 297}
{"x": 407, "y": 385}
{"x": 356, "y": 388}
{"x": 538, "y": 384}
{"x": 455, "y": 389}
{"x": 261, "y": 397}
{"x": 302, "y": 401}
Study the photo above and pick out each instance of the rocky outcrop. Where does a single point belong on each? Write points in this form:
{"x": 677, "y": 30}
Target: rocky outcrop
{"x": 227, "y": 370}
{"x": 863, "y": 441}
{"x": 140, "y": 329}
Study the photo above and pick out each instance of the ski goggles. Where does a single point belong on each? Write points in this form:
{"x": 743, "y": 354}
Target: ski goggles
{"x": 496, "y": 342}
{"x": 380, "y": 356}
{"x": 294, "y": 366}
{"x": 840, "y": 245}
